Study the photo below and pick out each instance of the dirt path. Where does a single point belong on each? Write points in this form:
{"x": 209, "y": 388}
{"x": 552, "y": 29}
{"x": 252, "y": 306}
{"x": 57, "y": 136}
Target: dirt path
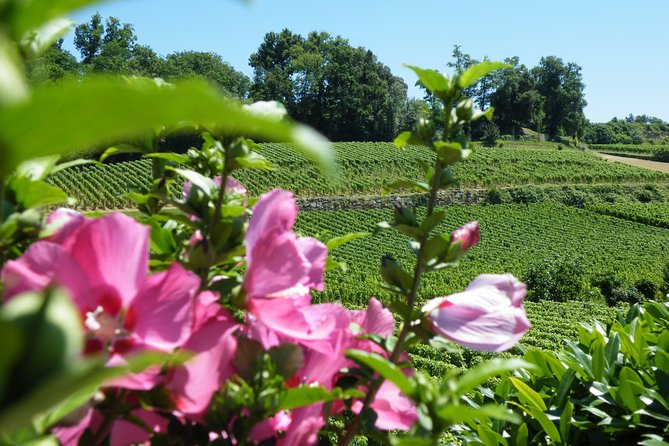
{"x": 652, "y": 165}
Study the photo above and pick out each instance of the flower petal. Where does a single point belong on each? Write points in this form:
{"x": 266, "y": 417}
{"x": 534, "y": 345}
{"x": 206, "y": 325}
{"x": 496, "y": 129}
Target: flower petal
{"x": 275, "y": 210}
{"x": 114, "y": 253}
{"x": 316, "y": 253}
{"x": 44, "y": 264}
{"x": 276, "y": 266}
{"x": 194, "y": 383}
{"x": 161, "y": 315}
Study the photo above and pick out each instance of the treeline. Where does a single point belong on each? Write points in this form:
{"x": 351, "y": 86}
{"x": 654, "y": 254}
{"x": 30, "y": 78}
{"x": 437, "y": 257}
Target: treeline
{"x": 630, "y": 130}
{"x": 343, "y": 91}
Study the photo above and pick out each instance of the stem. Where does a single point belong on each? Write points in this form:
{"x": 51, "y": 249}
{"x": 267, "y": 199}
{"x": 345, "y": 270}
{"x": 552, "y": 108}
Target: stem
{"x": 109, "y": 419}
{"x": 219, "y": 200}
{"x": 411, "y": 300}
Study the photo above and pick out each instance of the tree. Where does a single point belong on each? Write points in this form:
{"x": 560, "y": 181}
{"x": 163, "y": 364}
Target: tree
{"x": 88, "y": 38}
{"x": 562, "y": 88}
{"x": 516, "y": 100}
{"x": 344, "y": 92}
{"x": 209, "y": 66}
{"x": 54, "y": 64}
{"x": 106, "y": 48}
{"x": 273, "y": 67}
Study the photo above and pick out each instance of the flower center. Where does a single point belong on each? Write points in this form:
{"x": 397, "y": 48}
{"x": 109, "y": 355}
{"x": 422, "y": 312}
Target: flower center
{"x": 104, "y": 326}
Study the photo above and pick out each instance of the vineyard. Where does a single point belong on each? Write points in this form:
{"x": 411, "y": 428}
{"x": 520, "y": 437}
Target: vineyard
{"x": 654, "y": 214}
{"x": 366, "y": 169}
{"x": 512, "y": 238}
{"x": 639, "y": 149}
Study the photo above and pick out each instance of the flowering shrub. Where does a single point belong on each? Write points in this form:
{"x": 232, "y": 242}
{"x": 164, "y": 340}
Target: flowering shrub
{"x": 194, "y": 322}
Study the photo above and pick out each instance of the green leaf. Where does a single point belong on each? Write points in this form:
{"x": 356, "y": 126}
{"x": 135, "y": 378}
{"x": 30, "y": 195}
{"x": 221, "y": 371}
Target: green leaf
{"x": 99, "y": 110}
{"x": 565, "y": 421}
{"x": 37, "y": 168}
{"x": 451, "y": 153}
{"x": 206, "y": 184}
{"x": 30, "y": 194}
{"x": 408, "y": 138}
{"x": 80, "y": 376}
{"x": 120, "y": 149}
{"x": 37, "y": 41}
{"x": 521, "y": 435}
{"x": 431, "y": 222}
{"x": 385, "y": 368}
{"x": 527, "y": 394}
{"x": 410, "y": 441}
{"x": 35, "y": 13}
{"x": 73, "y": 163}
{"x": 545, "y": 423}
{"x": 253, "y": 161}
{"x": 305, "y": 395}
{"x": 462, "y": 414}
{"x": 406, "y": 184}
{"x": 433, "y": 80}
{"x": 598, "y": 359}
{"x": 630, "y": 386}
{"x": 336, "y": 242}
{"x": 481, "y": 373}
{"x": 653, "y": 440}
{"x": 13, "y": 85}
{"x": 161, "y": 241}
{"x": 12, "y": 345}
{"x": 564, "y": 387}
{"x": 169, "y": 156}
{"x": 476, "y": 72}
{"x": 288, "y": 358}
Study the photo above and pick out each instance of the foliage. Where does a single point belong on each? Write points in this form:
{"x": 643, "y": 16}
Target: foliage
{"x": 490, "y": 135}
{"x": 562, "y": 87}
{"x": 342, "y": 91}
{"x": 609, "y": 387}
{"x": 557, "y": 279}
{"x": 631, "y": 130}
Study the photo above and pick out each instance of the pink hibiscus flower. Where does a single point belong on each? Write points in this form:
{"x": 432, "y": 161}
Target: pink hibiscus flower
{"x": 487, "y": 316}
{"x": 103, "y": 263}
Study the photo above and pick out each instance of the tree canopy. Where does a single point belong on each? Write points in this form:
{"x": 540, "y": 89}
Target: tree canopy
{"x": 342, "y": 91}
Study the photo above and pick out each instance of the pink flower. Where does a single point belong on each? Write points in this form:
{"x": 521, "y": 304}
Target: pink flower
{"x": 213, "y": 341}
{"x": 467, "y": 234}
{"x": 487, "y": 316}
{"x": 121, "y": 432}
{"x": 103, "y": 263}
{"x": 279, "y": 264}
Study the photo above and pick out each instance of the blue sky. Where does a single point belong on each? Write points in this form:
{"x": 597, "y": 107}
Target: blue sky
{"x": 620, "y": 45}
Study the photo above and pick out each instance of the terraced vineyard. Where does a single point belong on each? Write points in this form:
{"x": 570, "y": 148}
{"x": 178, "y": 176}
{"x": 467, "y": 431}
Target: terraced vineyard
{"x": 639, "y": 149}
{"x": 365, "y": 169}
{"x": 512, "y": 237}
{"x": 654, "y": 214}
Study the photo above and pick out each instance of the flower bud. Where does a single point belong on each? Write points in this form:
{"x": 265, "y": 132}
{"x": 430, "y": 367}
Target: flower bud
{"x": 467, "y": 234}
{"x": 465, "y": 110}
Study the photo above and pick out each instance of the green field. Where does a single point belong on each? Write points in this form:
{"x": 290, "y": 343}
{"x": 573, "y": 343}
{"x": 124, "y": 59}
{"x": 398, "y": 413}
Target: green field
{"x": 366, "y": 169}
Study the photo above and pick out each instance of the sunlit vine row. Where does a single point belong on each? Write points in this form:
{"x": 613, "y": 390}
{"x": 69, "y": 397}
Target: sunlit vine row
{"x": 655, "y": 214}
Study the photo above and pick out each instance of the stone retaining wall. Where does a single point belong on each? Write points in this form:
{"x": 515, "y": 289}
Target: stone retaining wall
{"x": 473, "y": 196}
